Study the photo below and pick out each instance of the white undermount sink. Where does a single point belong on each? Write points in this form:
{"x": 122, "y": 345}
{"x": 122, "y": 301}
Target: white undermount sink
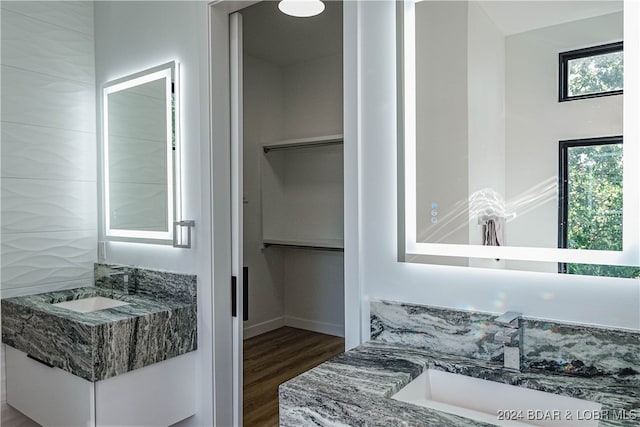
{"x": 87, "y": 305}
{"x": 497, "y": 403}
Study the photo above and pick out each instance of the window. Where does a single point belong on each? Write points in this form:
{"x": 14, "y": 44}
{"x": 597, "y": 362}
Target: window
{"x": 591, "y": 72}
{"x": 590, "y": 202}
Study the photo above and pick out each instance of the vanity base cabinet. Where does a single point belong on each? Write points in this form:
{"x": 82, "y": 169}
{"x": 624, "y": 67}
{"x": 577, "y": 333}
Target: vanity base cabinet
{"x": 49, "y": 396}
{"x": 156, "y": 395}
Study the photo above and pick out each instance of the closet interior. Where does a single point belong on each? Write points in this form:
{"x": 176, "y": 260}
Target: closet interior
{"x": 293, "y": 169}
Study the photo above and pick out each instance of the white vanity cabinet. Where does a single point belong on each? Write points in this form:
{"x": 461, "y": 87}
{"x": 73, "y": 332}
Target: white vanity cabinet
{"x": 156, "y": 395}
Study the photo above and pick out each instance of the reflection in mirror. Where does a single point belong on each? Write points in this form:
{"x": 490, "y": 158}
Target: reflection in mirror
{"x": 139, "y": 142}
{"x": 491, "y": 93}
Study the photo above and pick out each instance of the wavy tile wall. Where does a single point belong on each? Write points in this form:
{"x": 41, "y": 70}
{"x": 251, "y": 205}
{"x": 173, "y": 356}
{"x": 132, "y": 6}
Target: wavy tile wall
{"x": 31, "y": 152}
{"x": 29, "y": 43}
{"x": 74, "y": 15}
{"x": 34, "y": 205}
{"x": 30, "y": 259}
{"x": 48, "y": 189}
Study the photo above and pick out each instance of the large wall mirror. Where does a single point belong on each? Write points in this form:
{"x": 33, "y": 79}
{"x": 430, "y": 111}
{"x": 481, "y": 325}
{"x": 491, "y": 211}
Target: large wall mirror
{"x": 139, "y": 149}
{"x": 518, "y": 133}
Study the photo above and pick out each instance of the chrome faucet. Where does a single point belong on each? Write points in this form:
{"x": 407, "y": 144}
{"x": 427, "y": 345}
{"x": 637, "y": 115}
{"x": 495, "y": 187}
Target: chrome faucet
{"x": 511, "y": 337}
{"x": 124, "y": 272}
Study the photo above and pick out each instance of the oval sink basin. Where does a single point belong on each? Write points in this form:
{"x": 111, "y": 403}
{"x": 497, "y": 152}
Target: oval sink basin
{"x": 88, "y": 305}
{"x": 497, "y": 403}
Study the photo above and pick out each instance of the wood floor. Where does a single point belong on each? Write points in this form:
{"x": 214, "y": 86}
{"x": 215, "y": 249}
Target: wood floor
{"x": 275, "y": 357}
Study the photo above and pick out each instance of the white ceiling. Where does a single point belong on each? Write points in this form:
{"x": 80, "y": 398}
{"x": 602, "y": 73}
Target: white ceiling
{"x": 518, "y": 16}
{"x": 283, "y": 40}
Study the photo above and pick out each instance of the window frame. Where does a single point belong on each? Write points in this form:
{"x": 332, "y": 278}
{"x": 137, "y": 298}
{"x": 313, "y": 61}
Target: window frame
{"x": 563, "y": 75}
{"x": 563, "y": 183}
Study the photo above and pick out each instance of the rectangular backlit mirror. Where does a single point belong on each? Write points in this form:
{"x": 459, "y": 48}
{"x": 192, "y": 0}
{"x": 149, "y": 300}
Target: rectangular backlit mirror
{"x": 518, "y": 132}
{"x": 139, "y": 148}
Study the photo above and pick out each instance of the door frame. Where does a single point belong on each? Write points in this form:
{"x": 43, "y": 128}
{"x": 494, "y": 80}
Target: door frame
{"x": 227, "y": 406}
{"x": 237, "y": 234}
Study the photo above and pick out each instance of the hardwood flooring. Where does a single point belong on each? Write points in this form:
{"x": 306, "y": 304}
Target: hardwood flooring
{"x": 275, "y": 357}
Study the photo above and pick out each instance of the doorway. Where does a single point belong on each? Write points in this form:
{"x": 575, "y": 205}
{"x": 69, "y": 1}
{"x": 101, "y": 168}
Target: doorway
{"x": 289, "y": 193}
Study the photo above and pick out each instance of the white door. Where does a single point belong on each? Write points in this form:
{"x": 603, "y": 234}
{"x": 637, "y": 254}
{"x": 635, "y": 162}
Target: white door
{"x": 235, "y": 58}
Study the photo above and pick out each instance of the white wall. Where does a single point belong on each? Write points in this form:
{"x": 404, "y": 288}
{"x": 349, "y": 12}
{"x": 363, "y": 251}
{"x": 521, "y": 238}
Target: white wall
{"x": 314, "y": 291}
{"x": 532, "y": 100}
{"x": 48, "y": 228}
{"x": 313, "y": 98}
{"x": 591, "y": 300}
{"x": 314, "y": 280}
{"x": 263, "y": 122}
{"x": 133, "y": 36}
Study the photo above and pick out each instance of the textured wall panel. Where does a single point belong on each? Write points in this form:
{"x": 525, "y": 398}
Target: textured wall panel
{"x": 46, "y": 153}
{"x": 30, "y": 205}
{"x": 48, "y": 148}
{"x": 38, "y": 46}
{"x": 37, "y": 258}
{"x": 39, "y": 99}
{"x": 76, "y": 15}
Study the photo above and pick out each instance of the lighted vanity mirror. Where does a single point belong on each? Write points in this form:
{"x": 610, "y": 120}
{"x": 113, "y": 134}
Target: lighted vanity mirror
{"x": 507, "y": 154}
{"x": 139, "y": 153}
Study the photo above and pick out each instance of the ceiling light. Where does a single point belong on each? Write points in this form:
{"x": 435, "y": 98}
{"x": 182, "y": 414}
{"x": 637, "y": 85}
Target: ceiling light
{"x": 301, "y": 8}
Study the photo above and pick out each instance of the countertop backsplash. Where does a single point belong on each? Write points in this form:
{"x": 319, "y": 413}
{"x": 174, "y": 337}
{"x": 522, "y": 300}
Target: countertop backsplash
{"x": 144, "y": 281}
{"x": 566, "y": 348}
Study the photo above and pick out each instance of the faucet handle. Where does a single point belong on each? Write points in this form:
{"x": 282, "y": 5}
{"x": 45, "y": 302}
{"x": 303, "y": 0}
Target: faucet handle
{"x": 507, "y": 335}
{"x": 510, "y": 319}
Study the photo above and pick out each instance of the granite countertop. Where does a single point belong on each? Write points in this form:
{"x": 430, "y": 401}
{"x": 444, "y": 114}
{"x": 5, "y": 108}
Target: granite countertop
{"x": 355, "y": 388}
{"x": 139, "y": 305}
{"x": 100, "y": 344}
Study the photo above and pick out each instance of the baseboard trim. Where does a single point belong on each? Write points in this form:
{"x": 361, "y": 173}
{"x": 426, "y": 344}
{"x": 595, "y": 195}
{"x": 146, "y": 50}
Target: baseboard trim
{"x": 315, "y": 326}
{"x": 263, "y": 327}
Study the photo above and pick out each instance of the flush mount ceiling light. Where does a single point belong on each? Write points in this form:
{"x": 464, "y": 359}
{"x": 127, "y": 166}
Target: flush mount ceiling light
{"x": 301, "y": 8}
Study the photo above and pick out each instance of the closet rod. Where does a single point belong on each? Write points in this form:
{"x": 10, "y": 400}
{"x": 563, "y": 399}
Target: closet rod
{"x": 296, "y": 146}
{"x": 310, "y": 247}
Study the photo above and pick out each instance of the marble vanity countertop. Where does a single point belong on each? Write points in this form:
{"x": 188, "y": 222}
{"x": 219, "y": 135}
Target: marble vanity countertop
{"x": 355, "y": 389}
{"x": 100, "y": 344}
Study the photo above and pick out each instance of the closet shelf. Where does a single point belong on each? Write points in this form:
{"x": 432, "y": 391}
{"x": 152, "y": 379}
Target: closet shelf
{"x": 317, "y": 141}
{"x": 320, "y": 244}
